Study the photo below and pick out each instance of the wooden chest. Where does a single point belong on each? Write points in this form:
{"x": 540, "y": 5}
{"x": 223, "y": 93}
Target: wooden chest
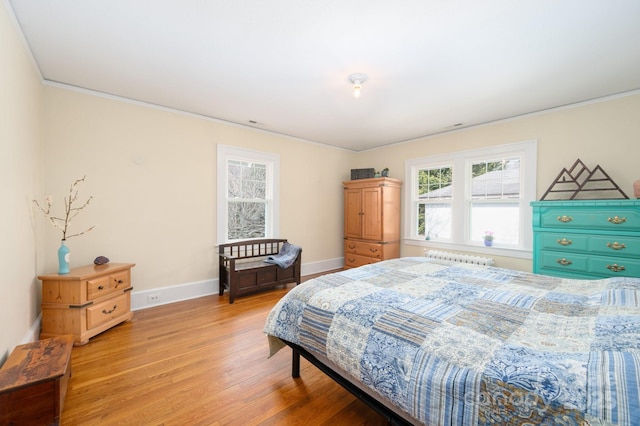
{"x": 33, "y": 382}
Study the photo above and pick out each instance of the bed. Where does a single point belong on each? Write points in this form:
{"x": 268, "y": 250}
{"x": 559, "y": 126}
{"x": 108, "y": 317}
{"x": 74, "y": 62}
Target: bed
{"x": 443, "y": 343}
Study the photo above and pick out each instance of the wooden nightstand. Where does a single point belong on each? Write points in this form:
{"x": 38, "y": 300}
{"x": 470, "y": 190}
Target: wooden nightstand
{"x": 86, "y": 301}
{"x": 33, "y": 382}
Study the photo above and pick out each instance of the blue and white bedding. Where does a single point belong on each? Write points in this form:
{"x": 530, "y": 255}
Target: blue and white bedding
{"x": 457, "y": 344}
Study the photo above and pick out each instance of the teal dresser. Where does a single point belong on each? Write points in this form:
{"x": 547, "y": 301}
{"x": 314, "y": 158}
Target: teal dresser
{"x": 586, "y": 239}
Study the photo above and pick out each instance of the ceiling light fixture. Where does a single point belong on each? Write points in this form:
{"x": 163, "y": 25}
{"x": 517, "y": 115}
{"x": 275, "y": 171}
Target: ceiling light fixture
{"x": 357, "y": 80}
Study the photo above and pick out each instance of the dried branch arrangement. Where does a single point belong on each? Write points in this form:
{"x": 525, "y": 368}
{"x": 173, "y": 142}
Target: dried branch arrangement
{"x": 64, "y": 222}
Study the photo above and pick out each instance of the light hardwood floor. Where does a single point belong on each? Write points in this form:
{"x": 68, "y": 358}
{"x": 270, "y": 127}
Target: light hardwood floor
{"x": 202, "y": 362}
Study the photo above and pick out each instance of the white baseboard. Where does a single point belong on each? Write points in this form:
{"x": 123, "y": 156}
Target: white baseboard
{"x": 322, "y": 266}
{"x": 34, "y": 332}
{"x": 161, "y": 296}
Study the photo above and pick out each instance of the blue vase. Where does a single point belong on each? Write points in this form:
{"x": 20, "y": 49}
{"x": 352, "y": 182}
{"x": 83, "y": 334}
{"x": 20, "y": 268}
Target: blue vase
{"x": 63, "y": 258}
{"x": 488, "y": 243}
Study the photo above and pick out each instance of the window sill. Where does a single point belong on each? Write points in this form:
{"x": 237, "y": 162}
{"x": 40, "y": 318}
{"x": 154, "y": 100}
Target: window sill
{"x": 495, "y": 250}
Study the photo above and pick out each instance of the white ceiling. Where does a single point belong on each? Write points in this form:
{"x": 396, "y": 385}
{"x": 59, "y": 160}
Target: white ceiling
{"x": 431, "y": 64}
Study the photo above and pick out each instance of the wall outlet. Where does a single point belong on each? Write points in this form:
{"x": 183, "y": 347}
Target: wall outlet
{"x": 153, "y": 298}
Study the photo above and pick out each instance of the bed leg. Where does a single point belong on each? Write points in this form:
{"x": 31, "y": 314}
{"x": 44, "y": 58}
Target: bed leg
{"x": 295, "y": 364}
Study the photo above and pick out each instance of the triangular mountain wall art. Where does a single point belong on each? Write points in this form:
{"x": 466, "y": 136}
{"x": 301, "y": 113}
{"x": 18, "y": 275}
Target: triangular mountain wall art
{"x": 579, "y": 182}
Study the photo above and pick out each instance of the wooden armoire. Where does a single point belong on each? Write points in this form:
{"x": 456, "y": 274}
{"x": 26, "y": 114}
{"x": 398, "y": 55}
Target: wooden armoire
{"x": 371, "y": 220}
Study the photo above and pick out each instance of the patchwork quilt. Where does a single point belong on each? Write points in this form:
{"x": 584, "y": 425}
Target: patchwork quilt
{"x": 458, "y": 344}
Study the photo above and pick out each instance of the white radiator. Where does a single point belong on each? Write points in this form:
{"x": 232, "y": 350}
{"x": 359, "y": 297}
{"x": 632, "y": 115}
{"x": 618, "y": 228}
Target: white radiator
{"x": 458, "y": 257}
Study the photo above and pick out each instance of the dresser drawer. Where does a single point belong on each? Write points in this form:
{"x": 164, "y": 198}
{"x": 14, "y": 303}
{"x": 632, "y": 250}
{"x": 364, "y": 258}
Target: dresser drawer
{"x": 614, "y": 267}
{"x": 589, "y": 265}
{"x": 616, "y": 246}
{"x": 108, "y": 310}
{"x": 600, "y": 244}
{"x": 564, "y": 241}
{"x": 363, "y": 249}
{"x": 614, "y": 218}
{"x": 564, "y": 262}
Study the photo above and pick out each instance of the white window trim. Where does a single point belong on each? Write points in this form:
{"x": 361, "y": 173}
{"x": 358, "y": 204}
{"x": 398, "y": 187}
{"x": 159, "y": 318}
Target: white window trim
{"x": 226, "y": 153}
{"x": 459, "y": 231}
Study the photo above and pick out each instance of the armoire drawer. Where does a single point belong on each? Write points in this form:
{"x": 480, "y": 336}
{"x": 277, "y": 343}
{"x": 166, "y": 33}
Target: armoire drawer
{"x": 353, "y": 260}
{"x": 363, "y": 249}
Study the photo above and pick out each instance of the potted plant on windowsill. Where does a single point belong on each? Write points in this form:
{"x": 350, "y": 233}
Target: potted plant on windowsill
{"x": 488, "y": 238}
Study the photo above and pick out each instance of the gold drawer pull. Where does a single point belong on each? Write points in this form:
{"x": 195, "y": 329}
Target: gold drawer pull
{"x": 373, "y": 250}
{"x": 617, "y": 220}
{"x": 565, "y": 219}
{"x": 564, "y": 262}
{"x": 616, "y": 246}
{"x": 104, "y": 311}
{"x": 564, "y": 242}
{"x": 615, "y": 268}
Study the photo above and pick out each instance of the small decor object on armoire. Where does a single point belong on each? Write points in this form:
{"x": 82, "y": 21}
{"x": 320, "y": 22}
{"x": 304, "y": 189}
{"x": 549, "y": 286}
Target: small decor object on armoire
{"x": 62, "y": 222}
{"x": 636, "y": 188}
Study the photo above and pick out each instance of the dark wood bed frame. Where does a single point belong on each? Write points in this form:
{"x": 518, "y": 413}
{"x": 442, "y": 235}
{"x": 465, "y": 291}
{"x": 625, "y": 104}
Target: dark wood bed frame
{"x": 391, "y": 416}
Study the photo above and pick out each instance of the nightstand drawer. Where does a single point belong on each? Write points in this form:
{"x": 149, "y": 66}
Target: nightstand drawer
{"x": 108, "y": 310}
{"x": 120, "y": 280}
{"x": 102, "y": 286}
{"x": 98, "y": 287}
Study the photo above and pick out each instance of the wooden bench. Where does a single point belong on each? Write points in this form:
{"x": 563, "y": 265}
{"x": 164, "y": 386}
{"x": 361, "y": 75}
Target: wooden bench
{"x": 33, "y": 382}
{"x": 243, "y": 270}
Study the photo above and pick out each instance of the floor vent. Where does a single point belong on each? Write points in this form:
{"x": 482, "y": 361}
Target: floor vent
{"x": 458, "y": 257}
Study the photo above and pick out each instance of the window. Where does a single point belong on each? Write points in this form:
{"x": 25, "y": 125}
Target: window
{"x": 435, "y": 201}
{"x": 455, "y": 199}
{"x": 248, "y": 183}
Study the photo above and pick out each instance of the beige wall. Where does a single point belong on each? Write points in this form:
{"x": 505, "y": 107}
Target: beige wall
{"x": 21, "y": 176}
{"x": 152, "y": 175}
{"x": 605, "y": 133}
{"x": 153, "y": 178}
